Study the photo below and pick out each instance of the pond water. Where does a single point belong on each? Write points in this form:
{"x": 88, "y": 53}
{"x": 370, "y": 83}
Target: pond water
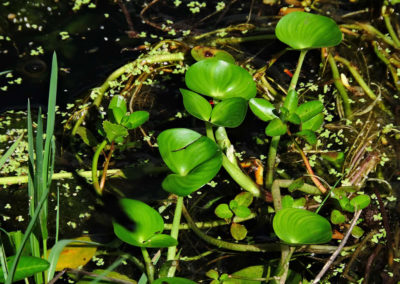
{"x": 141, "y": 50}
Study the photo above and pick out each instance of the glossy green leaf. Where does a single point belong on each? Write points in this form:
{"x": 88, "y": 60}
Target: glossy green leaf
{"x": 223, "y": 211}
{"x": 287, "y": 201}
{"x": 220, "y": 79}
{"x": 345, "y": 204}
{"x": 146, "y": 228}
{"x": 241, "y": 211}
{"x": 117, "y": 109}
{"x": 301, "y": 30}
{"x": 248, "y": 273}
{"x": 27, "y": 266}
{"x": 262, "y": 108}
{"x": 244, "y": 198}
{"x": 308, "y": 110}
{"x": 173, "y": 280}
{"x": 205, "y": 52}
{"x": 213, "y": 274}
{"x": 229, "y": 112}
{"x": 357, "y": 232}
{"x": 291, "y": 101}
{"x": 238, "y": 231}
{"x": 135, "y": 119}
{"x": 337, "y": 217}
{"x": 194, "y": 159}
{"x": 307, "y": 135}
{"x": 360, "y": 201}
{"x": 299, "y": 226}
{"x": 276, "y": 128}
{"x": 196, "y": 105}
{"x": 233, "y": 204}
{"x": 294, "y": 118}
{"x": 313, "y": 123}
{"x": 114, "y": 131}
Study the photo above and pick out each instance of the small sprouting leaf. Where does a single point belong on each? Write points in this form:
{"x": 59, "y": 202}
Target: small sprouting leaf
{"x": 337, "y": 217}
{"x": 313, "y": 123}
{"x": 196, "y": 105}
{"x": 173, "y": 280}
{"x": 241, "y": 211}
{"x": 287, "y": 201}
{"x": 229, "y": 112}
{"x": 213, "y": 274}
{"x": 299, "y": 226}
{"x": 307, "y": 135}
{"x": 276, "y": 128}
{"x": 223, "y": 211}
{"x": 117, "y": 109}
{"x": 220, "y": 80}
{"x": 114, "y": 131}
{"x": 357, "y": 232}
{"x": 291, "y": 101}
{"x": 244, "y": 198}
{"x": 238, "y": 231}
{"x": 360, "y": 201}
{"x": 26, "y": 267}
{"x": 344, "y": 202}
{"x": 262, "y": 108}
{"x": 301, "y": 30}
{"x": 146, "y": 227}
{"x": 135, "y": 119}
{"x": 308, "y": 110}
{"x": 205, "y": 52}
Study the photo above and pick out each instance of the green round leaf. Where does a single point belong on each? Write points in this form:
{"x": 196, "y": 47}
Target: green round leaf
{"x": 276, "y": 128}
{"x": 27, "y": 266}
{"x": 337, "y": 217}
{"x": 238, "y": 231}
{"x": 262, "y": 108}
{"x": 244, "y": 198}
{"x": 229, "y": 113}
{"x": 173, "y": 280}
{"x": 345, "y": 204}
{"x": 117, "y": 109}
{"x": 135, "y": 119}
{"x": 241, "y": 211}
{"x": 299, "y": 226}
{"x": 308, "y": 110}
{"x": 301, "y": 30}
{"x": 223, "y": 211}
{"x": 220, "y": 80}
{"x": 194, "y": 159}
{"x": 205, "y": 52}
{"x": 147, "y": 226}
{"x": 357, "y": 232}
{"x": 314, "y": 123}
{"x": 360, "y": 201}
{"x": 196, "y": 105}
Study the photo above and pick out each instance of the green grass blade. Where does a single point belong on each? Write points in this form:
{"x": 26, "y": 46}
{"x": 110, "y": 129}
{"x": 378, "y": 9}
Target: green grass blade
{"x": 10, "y": 150}
{"x": 3, "y": 259}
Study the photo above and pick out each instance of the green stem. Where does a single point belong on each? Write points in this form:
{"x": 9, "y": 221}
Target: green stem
{"x": 339, "y": 86}
{"x": 94, "y": 167}
{"x": 174, "y": 233}
{"x": 383, "y": 56}
{"x": 296, "y": 74}
{"x": 389, "y": 27}
{"x": 273, "y": 147}
{"x": 149, "y": 264}
{"x": 234, "y": 171}
{"x": 237, "y": 40}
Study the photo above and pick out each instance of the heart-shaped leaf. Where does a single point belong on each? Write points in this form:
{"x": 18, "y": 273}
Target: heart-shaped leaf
{"x": 117, "y": 109}
{"x": 229, "y": 112}
{"x": 337, "y": 217}
{"x": 114, "y": 131}
{"x": 146, "y": 228}
{"x": 173, "y": 280}
{"x": 360, "y": 201}
{"x": 344, "y": 202}
{"x": 205, "y": 52}
{"x": 26, "y": 267}
{"x": 194, "y": 159}
{"x": 276, "y": 128}
{"x": 301, "y": 30}
{"x": 238, "y": 231}
{"x": 262, "y": 108}
{"x": 223, "y": 211}
{"x": 313, "y": 123}
{"x": 308, "y": 110}
{"x": 307, "y": 135}
{"x": 196, "y": 105}
{"x": 220, "y": 80}
{"x": 299, "y": 226}
{"x": 135, "y": 119}
{"x": 291, "y": 101}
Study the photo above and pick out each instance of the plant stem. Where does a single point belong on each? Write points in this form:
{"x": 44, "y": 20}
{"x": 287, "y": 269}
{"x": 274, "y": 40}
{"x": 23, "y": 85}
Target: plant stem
{"x": 389, "y": 27}
{"x": 296, "y": 74}
{"x": 383, "y": 56}
{"x": 234, "y": 171}
{"x": 273, "y": 147}
{"x": 94, "y": 167}
{"x": 174, "y": 233}
{"x": 106, "y": 164}
{"x": 149, "y": 264}
{"x": 339, "y": 86}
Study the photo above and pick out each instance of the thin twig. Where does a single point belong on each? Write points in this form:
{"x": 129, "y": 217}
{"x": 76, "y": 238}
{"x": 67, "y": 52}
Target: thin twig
{"x": 131, "y": 33}
{"x": 338, "y": 250}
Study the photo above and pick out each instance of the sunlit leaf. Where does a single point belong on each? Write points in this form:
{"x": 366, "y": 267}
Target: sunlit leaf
{"x": 337, "y": 217}
{"x": 241, "y": 211}
{"x": 196, "y": 105}
{"x": 248, "y": 273}
{"x": 308, "y": 110}
{"x": 357, "y": 232}
{"x": 360, "y": 201}
{"x": 262, "y": 108}
{"x": 27, "y": 266}
{"x": 244, "y": 198}
{"x": 291, "y": 101}
{"x": 135, "y": 119}
{"x": 276, "y": 128}
{"x": 223, "y": 211}
{"x": 229, "y": 112}
{"x": 114, "y": 131}
{"x": 117, "y": 109}
{"x": 313, "y": 123}
{"x": 307, "y": 135}
{"x": 238, "y": 231}
{"x": 205, "y": 52}
{"x": 287, "y": 201}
